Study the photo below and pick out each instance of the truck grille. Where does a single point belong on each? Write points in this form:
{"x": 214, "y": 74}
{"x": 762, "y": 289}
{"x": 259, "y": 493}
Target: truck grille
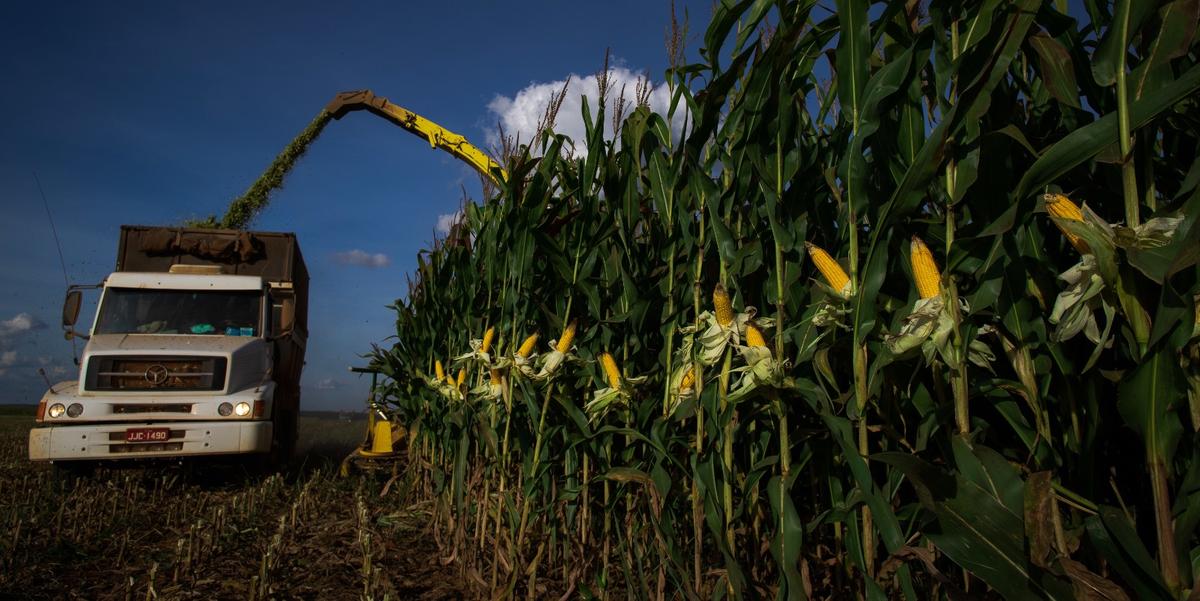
{"x": 156, "y": 373}
{"x": 152, "y": 408}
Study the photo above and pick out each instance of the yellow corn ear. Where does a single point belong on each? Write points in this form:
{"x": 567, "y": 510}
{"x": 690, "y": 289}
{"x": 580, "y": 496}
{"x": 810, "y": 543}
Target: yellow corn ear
{"x": 689, "y": 379}
{"x": 450, "y": 381}
{"x": 462, "y": 377}
{"x": 439, "y": 371}
{"x": 495, "y": 373}
{"x": 527, "y": 346}
{"x": 754, "y": 336}
{"x": 568, "y": 336}
{"x": 487, "y": 340}
{"x": 833, "y": 273}
{"x": 1060, "y": 206}
{"x": 925, "y": 270}
{"x": 724, "y": 308}
{"x": 611, "y": 373}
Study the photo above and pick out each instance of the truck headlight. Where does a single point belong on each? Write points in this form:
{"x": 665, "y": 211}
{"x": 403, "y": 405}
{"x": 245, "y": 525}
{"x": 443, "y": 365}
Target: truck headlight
{"x": 57, "y": 410}
{"x": 224, "y": 409}
{"x": 242, "y": 409}
{"x": 75, "y": 410}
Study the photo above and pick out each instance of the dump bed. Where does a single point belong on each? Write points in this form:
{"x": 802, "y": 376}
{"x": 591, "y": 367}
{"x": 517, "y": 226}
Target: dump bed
{"x": 273, "y": 256}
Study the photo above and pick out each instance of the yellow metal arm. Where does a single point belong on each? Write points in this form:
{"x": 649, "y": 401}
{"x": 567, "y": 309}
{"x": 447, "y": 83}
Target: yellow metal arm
{"x": 436, "y": 135}
{"x": 246, "y": 207}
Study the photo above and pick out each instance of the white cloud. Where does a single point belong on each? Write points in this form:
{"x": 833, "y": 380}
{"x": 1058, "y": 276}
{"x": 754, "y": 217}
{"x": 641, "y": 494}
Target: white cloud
{"x": 362, "y": 258}
{"x": 8, "y": 359}
{"x": 447, "y": 221}
{"x": 520, "y": 114}
{"x": 23, "y": 322}
{"x": 329, "y": 384}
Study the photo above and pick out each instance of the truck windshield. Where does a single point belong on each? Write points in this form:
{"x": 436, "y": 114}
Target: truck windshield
{"x": 156, "y": 311}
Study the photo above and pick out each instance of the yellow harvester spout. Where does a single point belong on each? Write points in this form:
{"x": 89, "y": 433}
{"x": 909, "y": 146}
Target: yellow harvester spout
{"x": 381, "y": 437}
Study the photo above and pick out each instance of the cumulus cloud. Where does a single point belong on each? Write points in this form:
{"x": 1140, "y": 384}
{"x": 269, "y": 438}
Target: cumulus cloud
{"x": 447, "y": 221}
{"x": 362, "y": 258}
{"x": 519, "y": 115}
{"x": 23, "y": 322}
{"x": 8, "y": 359}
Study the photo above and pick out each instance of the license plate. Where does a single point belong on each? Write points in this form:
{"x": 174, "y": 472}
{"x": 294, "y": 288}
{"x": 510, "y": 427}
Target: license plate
{"x": 147, "y": 434}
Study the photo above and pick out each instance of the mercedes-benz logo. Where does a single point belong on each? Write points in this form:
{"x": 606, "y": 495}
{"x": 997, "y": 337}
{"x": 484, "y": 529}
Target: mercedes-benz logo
{"x": 156, "y": 375}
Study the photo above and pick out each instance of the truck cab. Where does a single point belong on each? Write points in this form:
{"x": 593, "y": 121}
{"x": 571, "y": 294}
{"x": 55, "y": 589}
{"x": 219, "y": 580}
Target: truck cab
{"x": 186, "y": 357}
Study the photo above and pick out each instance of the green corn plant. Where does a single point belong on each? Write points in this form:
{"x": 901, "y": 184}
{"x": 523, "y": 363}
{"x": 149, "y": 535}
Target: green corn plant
{"x": 951, "y": 382}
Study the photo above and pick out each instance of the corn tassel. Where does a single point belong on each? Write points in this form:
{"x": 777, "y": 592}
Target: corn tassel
{"x": 527, "y": 346}
{"x": 724, "y": 308}
{"x": 439, "y": 371}
{"x": 611, "y": 373}
{"x": 568, "y": 336}
{"x": 689, "y": 380}
{"x": 833, "y": 273}
{"x": 1060, "y": 206}
{"x": 754, "y": 336}
{"x": 486, "y": 345}
{"x": 925, "y": 270}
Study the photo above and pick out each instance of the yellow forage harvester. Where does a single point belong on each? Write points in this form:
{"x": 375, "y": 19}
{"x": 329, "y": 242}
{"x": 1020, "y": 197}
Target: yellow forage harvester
{"x": 833, "y": 273}
{"x": 1060, "y": 206}
{"x": 925, "y": 270}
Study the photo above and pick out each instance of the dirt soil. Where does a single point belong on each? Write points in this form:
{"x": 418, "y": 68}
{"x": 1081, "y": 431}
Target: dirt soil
{"x": 216, "y": 530}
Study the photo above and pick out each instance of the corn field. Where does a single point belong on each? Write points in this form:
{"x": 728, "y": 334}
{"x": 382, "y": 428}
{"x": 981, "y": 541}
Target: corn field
{"x": 908, "y": 309}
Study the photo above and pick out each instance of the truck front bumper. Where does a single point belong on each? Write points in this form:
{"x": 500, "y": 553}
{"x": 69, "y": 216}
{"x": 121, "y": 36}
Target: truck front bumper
{"x": 107, "y": 440}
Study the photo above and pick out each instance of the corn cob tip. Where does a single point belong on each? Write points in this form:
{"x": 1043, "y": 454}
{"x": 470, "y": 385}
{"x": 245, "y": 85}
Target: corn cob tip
{"x": 568, "y": 336}
{"x": 488, "y": 336}
{"x": 722, "y": 306}
{"x": 689, "y": 379}
{"x": 450, "y": 381}
{"x": 495, "y": 375}
{"x": 1062, "y": 207}
{"x": 754, "y": 337}
{"x": 833, "y": 273}
{"x": 611, "y": 372}
{"x": 527, "y": 346}
{"x": 925, "y": 270}
{"x": 438, "y": 370}
{"x": 462, "y": 377}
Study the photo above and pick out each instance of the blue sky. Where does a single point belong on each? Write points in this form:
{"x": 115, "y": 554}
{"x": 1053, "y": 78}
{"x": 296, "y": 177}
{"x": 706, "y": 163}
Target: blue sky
{"x": 152, "y": 113}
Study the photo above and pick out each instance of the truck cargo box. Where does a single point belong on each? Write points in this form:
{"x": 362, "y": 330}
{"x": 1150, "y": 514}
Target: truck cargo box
{"x": 273, "y": 256}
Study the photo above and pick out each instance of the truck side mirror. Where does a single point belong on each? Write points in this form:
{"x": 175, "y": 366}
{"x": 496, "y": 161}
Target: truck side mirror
{"x": 71, "y": 306}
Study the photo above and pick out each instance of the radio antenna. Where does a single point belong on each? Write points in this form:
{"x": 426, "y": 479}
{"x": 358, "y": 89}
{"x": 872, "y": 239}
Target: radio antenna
{"x": 61, "y": 261}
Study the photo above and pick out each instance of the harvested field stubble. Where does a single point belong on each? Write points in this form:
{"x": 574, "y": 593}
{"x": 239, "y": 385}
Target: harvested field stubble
{"x": 215, "y": 531}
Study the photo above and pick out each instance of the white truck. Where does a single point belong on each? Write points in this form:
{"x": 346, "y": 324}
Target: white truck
{"x": 196, "y": 349}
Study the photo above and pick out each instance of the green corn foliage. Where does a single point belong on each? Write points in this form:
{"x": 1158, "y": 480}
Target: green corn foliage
{"x": 996, "y": 456}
